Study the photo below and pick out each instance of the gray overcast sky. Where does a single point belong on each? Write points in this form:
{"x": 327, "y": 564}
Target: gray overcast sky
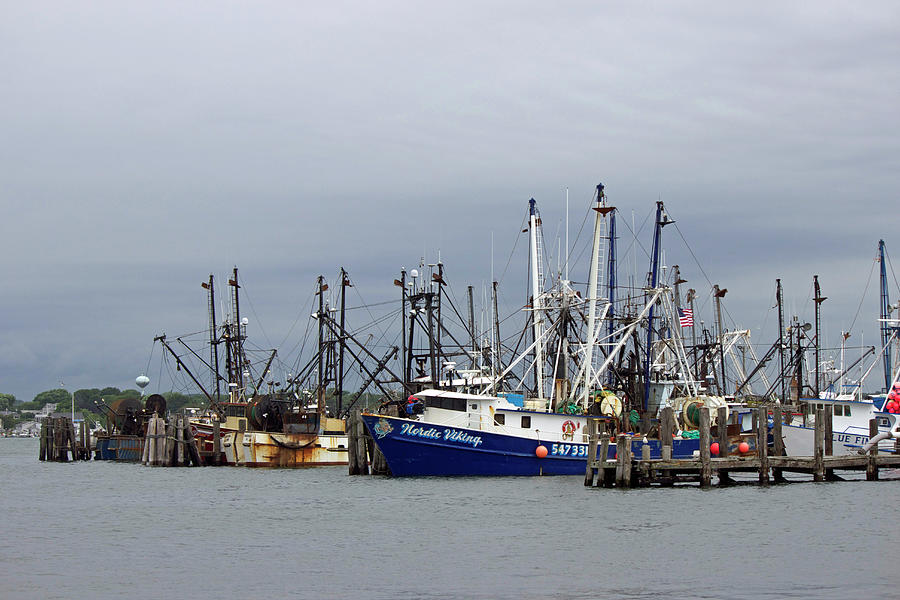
{"x": 147, "y": 144}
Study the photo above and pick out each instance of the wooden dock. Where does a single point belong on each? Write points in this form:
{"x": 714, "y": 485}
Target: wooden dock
{"x": 630, "y": 471}
{"x": 58, "y": 439}
{"x": 362, "y": 449}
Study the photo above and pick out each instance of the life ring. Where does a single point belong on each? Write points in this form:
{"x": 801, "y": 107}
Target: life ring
{"x": 568, "y": 429}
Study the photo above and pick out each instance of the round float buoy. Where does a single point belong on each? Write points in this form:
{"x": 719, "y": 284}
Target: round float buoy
{"x": 541, "y": 451}
{"x": 714, "y": 448}
{"x": 744, "y": 448}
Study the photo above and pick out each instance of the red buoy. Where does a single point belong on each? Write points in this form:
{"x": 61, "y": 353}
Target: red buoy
{"x": 541, "y": 451}
{"x": 744, "y": 448}
{"x": 714, "y": 448}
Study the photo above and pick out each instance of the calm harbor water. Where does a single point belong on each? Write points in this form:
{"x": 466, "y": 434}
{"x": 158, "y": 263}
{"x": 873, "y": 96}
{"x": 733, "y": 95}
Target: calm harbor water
{"x": 103, "y": 530}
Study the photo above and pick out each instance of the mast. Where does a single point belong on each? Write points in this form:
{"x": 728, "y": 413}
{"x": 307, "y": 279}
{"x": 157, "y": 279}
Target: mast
{"x": 818, "y": 300}
{"x": 691, "y": 294}
{"x": 611, "y": 283}
{"x": 719, "y": 294}
{"x": 213, "y": 335}
{"x": 429, "y": 310}
{"x": 438, "y": 346}
{"x": 237, "y": 339}
{"x": 593, "y": 275}
{"x": 403, "y": 367}
{"x": 472, "y": 325}
{"x": 561, "y": 362}
{"x": 536, "y": 303}
{"x": 320, "y": 393}
{"x": 885, "y": 325}
{"x": 780, "y": 300}
{"x": 495, "y": 363}
{"x": 413, "y": 300}
{"x": 679, "y": 328}
{"x": 345, "y": 283}
{"x": 661, "y": 221}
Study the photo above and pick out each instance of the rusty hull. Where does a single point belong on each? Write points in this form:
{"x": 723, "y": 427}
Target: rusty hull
{"x": 270, "y": 449}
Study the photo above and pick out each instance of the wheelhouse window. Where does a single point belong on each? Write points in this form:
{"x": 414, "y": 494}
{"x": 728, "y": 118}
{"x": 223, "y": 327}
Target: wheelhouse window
{"x": 458, "y": 404}
{"x": 526, "y": 422}
{"x": 499, "y": 419}
{"x": 838, "y": 410}
{"x": 847, "y": 410}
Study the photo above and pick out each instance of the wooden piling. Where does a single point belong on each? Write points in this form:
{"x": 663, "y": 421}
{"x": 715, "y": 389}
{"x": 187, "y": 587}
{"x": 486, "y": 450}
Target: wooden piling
{"x": 620, "y": 459}
{"x": 180, "y": 454}
{"x": 592, "y": 452}
{"x": 149, "y": 453}
{"x": 628, "y": 466}
{"x": 722, "y": 430}
{"x": 872, "y": 465}
{"x": 362, "y": 457}
{"x": 43, "y": 451}
{"x": 353, "y": 465}
{"x": 379, "y": 463}
{"x": 87, "y": 440}
{"x": 722, "y": 440}
{"x": 73, "y": 442}
{"x": 777, "y": 434}
{"x": 171, "y": 452}
{"x": 705, "y": 466}
{"x": 217, "y": 442}
{"x": 60, "y": 439}
{"x": 762, "y": 445}
{"x": 829, "y": 442}
{"x": 51, "y": 439}
{"x": 602, "y": 478}
{"x": 819, "y": 446}
{"x": 666, "y": 424}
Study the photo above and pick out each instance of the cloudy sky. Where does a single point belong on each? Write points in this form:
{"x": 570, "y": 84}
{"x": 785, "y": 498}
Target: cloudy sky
{"x": 147, "y": 144}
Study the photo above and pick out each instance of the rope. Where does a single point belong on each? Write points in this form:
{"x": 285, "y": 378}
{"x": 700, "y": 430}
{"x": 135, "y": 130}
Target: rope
{"x": 863, "y": 297}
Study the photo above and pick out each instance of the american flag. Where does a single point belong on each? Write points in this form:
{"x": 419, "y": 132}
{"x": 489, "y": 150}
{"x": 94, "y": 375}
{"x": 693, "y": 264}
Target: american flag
{"x": 686, "y": 317}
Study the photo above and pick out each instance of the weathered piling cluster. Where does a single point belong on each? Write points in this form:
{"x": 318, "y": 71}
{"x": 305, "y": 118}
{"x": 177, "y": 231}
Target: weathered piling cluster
{"x": 630, "y": 471}
{"x": 58, "y": 439}
{"x": 362, "y": 451}
{"x": 170, "y": 445}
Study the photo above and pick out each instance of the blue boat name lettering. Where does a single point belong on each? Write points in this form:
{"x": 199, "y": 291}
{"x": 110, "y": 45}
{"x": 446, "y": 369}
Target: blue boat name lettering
{"x": 454, "y": 435}
{"x": 413, "y": 430}
{"x": 850, "y": 438}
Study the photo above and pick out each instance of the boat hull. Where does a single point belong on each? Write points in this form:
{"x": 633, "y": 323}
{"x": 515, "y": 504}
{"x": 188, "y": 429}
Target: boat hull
{"x": 265, "y": 449}
{"x": 415, "y": 448}
{"x": 800, "y": 441}
{"x": 121, "y": 448}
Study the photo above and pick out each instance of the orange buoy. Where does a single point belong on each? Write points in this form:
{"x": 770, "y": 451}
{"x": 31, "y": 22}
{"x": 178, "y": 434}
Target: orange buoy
{"x": 744, "y": 447}
{"x": 541, "y": 451}
{"x": 714, "y": 448}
